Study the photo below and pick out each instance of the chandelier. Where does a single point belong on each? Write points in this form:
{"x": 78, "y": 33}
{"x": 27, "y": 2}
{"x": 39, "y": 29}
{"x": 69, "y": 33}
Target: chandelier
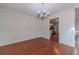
{"x": 43, "y": 14}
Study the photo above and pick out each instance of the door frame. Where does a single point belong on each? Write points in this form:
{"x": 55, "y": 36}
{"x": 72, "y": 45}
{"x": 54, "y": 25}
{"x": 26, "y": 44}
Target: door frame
{"x": 54, "y": 21}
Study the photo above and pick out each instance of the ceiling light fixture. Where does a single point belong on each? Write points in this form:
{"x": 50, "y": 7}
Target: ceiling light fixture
{"x": 43, "y": 14}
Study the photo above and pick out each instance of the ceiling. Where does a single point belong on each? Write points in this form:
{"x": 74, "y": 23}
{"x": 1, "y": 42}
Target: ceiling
{"x": 32, "y": 8}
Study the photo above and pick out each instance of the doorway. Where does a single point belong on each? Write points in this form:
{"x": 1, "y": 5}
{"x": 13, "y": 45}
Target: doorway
{"x": 77, "y": 31}
{"x": 54, "y": 29}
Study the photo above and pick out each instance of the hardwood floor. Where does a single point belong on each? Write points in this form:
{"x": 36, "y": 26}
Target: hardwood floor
{"x": 37, "y": 46}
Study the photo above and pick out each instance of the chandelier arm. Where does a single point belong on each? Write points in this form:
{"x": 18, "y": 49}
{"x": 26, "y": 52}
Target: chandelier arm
{"x": 43, "y": 6}
{"x": 43, "y": 14}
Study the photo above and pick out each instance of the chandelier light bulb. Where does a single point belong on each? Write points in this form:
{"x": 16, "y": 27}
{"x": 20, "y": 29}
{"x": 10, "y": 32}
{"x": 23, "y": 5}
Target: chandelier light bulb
{"x": 44, "y": 11}
{"x": 47, "y": 13}
{"x": 38, "y": 12}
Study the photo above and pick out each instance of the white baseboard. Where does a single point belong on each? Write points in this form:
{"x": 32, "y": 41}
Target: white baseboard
{"x": 12, "y": 42}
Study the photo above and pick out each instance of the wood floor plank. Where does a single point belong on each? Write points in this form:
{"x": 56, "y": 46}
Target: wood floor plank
{"x": 37, "y": 46}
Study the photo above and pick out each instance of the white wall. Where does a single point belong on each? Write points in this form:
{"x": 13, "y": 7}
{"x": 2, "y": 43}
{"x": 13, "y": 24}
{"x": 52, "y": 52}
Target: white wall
{"x": 15, "y": 26}
{"x": 66, "y": 26}
{"x": 45, "y": 29}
